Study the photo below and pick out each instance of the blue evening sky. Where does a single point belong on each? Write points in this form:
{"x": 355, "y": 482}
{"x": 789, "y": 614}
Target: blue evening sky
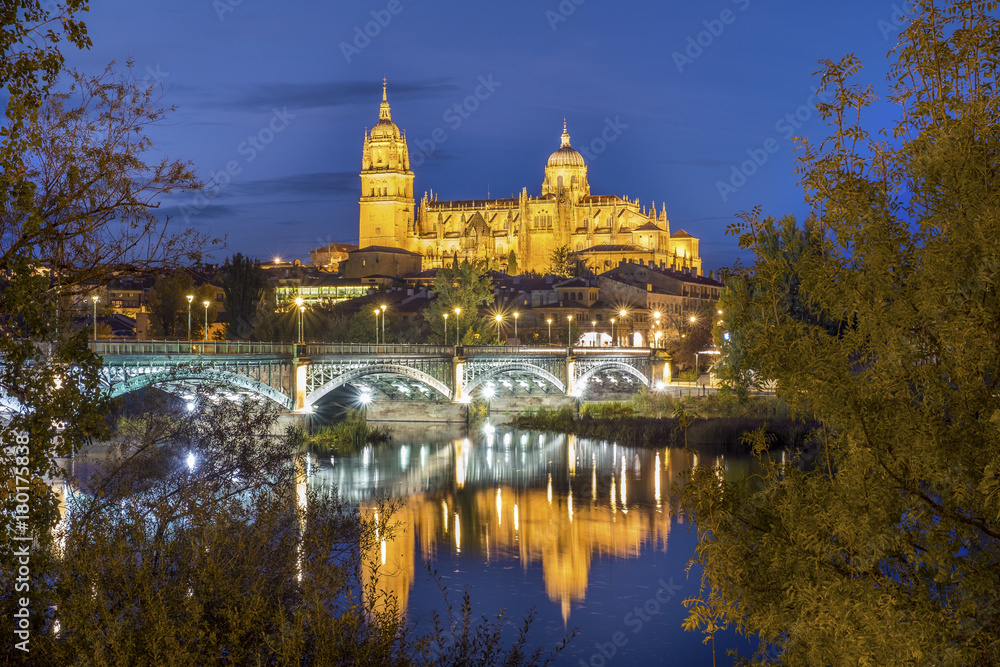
{"x": 302, "y": 81}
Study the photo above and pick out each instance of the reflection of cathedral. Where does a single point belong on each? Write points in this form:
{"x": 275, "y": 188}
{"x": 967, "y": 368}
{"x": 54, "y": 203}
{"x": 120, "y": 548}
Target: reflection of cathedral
{"x": 602, "y": 229}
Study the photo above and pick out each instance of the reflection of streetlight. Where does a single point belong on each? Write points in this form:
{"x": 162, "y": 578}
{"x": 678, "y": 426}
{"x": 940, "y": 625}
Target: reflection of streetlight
{"x": 95, "y": 298}
{"x": 550, "y": 330}
{"x": 446, "y": 328}
{"x": 376, "y": 325}
{"x": 299, "y": 302}
{"x": 206, "y": 303}
{"x": 458, "y": 335}
{"x": 190, "y": 298}
{"x": 569, "y": 331}
{"x": 383, "y": 323}
{"x": 499, "y": 319}
{"x": 612, "y": 331}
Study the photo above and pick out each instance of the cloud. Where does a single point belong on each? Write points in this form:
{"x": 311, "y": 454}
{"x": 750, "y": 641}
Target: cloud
{"x": 264, "y": 97}
{"x": 317, "y": 184}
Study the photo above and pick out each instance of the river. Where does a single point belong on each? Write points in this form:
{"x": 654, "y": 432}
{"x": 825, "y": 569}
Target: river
{"x": 583, "y": 531}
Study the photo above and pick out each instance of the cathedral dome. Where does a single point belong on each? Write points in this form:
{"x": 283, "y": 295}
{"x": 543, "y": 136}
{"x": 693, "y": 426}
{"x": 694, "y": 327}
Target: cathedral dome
{"x": 385, "y": 129}
{"x": 565, "y": 156}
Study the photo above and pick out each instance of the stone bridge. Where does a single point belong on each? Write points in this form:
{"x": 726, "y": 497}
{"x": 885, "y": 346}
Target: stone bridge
{"x": 297, "y": 377}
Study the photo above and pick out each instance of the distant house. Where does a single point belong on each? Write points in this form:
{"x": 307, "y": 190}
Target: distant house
{"x": 380, "y": 260}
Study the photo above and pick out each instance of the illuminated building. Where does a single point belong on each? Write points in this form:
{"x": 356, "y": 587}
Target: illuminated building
{"x": 602, "y": 229}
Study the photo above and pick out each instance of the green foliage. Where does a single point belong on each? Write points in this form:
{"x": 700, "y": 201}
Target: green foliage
{"x": 563, "y": 263}
{"x": 885, "y": 553}
{"x": 244, "y": 287}
{"x": 168, "y": 306}
{"x": 468, "y": 287}
{"x": 512, "y": 267}
{"x": 348, "y": 435}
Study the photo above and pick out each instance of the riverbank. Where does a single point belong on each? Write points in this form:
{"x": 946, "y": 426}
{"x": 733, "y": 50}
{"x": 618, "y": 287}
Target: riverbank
{"x": 710, "y": 422}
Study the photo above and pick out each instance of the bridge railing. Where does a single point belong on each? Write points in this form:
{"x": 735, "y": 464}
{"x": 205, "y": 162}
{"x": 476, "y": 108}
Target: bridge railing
{"x": 228, "y": 348}
{"x": 316, "y": 349}
{"x": 548, "y": 350}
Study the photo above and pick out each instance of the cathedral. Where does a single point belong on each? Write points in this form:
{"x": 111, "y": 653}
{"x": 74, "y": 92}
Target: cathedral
{"x": 601, "y": 230}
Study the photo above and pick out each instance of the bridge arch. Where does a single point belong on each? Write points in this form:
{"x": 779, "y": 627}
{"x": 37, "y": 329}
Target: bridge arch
{"x": 506, "y": 368}
{"x": 227, "y": 378}
{"x": 378, "y": 369}
{"x": 611, "y": 365}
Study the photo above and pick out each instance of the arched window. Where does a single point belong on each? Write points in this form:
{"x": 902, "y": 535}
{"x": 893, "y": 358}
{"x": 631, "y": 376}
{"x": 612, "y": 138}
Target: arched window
{"x": 559, "y": 182}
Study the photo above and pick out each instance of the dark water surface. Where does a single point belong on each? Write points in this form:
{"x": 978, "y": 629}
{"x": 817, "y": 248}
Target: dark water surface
{"x": 582, "y": 530}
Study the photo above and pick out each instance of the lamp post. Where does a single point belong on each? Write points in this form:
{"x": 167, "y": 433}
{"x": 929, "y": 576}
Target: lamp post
{"x": 656, "y": 336}
{"x": 593, "y": 331}
{"x": 623, "y": 313}
{"x": 206, "y": 304}
{"x": 446, "y": 329}
{"x": 550, "y": 330}
{"x": 499, "y": 319}
{"x": 516, "y": 314}
{"x": 190, "y": 298}
{"x": 376, "y": 325}
{"x": 569, "y": 331}
{"x": 458, "y": 335}
{"x": 612, "y": 332}
{"x": 95, "y": 298}
{"x": 382, "y": 307}
{"x": 299, "y": 302}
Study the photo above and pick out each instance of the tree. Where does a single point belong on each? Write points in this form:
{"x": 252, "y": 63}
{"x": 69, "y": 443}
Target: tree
{"x": 737, "y": 333}
{"x": 512, "y": 263}
{"x": 884, "y": 550}
{"x": 468, "y": 287}
{"x": 79, "y": 207}
{"x": 168, "y": 306}
{"x": 243, "y": 289}
{"x": 562, "y": 263}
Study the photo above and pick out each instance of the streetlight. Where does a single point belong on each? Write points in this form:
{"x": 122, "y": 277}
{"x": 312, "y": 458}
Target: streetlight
{"x": 550, "y": 330}
{"x": 376, "y": 325}
{"x": 516, "y": 314}
{"x": 499, "y": 319}
{"x": 206, "y": 304}
{"x": 190, "y": 298}
{"x": 446, "y": 329}
{"x": 383, "y": 323}
{"x": 299, "y": 302}
{"x": 656, "y": 338}
{"x": 569, "y": 331}
{"x": 593, "y": 331}
{"x": 95, "y": 298}
{"x": 458, "y": 335}
{"x": 612, "y": 332}
{"x": 623, "y": 313}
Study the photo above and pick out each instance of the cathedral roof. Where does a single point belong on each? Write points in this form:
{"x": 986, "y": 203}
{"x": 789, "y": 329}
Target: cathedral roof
{"x": 648, "y": 227}
{"x": 565, "y": 156}
{"x": 385, "y": 128}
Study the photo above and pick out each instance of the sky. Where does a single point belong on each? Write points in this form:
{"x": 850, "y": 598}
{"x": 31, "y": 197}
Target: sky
{"x": 691, "y": 105}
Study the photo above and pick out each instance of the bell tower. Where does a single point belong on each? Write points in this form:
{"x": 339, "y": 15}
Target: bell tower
{"x": 387, "y": 204}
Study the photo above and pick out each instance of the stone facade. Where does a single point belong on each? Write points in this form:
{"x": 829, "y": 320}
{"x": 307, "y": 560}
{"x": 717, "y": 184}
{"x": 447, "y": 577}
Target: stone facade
{"x": 602, "y": 229}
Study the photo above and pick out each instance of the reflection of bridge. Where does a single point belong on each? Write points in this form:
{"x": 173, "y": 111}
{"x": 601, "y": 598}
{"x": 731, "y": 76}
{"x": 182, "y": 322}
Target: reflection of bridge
{"x": 298, "y": 376}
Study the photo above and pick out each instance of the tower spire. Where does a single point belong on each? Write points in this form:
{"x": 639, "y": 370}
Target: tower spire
{"x": 565, "y": 136}
{"x": 383, "y": 112}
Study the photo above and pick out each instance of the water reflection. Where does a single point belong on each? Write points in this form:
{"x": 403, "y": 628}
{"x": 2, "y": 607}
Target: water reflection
{"x": 552, "y": 500}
